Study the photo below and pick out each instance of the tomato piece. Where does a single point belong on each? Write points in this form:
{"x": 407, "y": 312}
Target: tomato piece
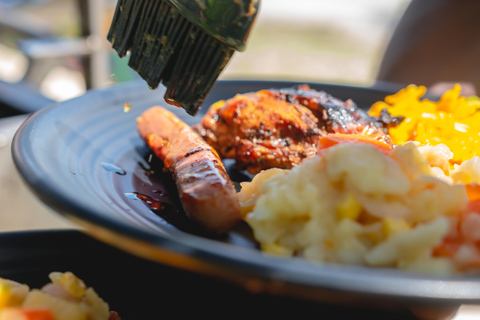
{"x": 39, "y": 314}
{"x": 448, "y": 247}
{"x": 473, "y": 206}
{"x": 335, "y": 138}
{"x": 473, "y": 191}
{"x": 459, "y": 236}
{"x": 26, "y": 314}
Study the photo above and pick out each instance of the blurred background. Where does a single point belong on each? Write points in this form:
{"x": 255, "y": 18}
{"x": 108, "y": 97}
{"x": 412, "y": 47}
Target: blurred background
{"x": 58, "y": 48}
{"x": 54, "y": 50}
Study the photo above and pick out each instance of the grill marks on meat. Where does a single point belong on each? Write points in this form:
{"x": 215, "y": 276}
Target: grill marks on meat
{"x": 280, "y": 128}
{"x": 260, "y": 131}
{"x": 337, "y": 116}
{"x": 207, "y": 194}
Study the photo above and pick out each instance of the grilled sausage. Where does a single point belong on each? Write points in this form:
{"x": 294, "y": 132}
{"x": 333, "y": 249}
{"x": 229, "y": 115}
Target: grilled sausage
{"x": 207, "y": 194}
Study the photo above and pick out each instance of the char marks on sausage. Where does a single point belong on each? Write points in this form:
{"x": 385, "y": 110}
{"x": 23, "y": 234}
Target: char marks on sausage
{"x": 207, "y": 194}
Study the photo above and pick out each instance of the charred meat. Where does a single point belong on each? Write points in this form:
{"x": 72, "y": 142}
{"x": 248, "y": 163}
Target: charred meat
{"x": 337, "y": 116}
{"x": 207, "y": 194}
{"x": 281, "y": 127}
{"x": 261, "y": 131}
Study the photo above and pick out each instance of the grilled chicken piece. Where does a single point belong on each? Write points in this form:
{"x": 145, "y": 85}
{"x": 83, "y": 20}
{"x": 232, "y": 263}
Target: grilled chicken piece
{"x": 260, "y": 131}
{"x": 281, "y": 128}
{"x": 207, "y": 194}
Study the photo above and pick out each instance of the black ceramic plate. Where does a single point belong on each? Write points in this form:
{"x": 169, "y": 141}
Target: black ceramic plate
{"x": 85, "y": 159}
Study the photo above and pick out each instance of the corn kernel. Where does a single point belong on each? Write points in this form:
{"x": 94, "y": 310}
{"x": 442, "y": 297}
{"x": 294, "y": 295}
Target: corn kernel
{"x": 349, "y": 208}
{"x": 4, "y": 295}
{"x": 394, "y": 225}
{"x": 277, "y": 250}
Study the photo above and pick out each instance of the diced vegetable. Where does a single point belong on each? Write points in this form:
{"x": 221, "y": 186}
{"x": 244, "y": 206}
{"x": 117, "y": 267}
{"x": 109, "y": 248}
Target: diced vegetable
{"x": 391, "y": 226}
{"x": 349, "y": 208}
{"x": 11, "y": 313}
{"x": 336, "y": 138}
{"x": 12, "y": 293}
{"x": 454, "y": 120}
{"x": 73, "y": 285}
{"x": 61, "y": 308}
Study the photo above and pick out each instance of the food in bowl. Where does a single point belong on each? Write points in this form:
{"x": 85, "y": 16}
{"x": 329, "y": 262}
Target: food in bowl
{"x": 66, "y": 297}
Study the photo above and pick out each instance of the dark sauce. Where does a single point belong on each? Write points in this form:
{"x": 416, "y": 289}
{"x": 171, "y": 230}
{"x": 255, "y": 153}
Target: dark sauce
{"x": 160, "y": 194}
{"x": 165, "y": 210}
{"x": 153, "y": 204}
{"x": 155, "y": 187}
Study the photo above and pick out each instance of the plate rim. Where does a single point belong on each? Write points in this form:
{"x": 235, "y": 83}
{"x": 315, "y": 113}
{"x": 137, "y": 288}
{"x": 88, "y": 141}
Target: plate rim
{"x": 233, "y": 259}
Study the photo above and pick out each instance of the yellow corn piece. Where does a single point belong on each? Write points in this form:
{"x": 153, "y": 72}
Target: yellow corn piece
{"x": 12, "y": 293}
{"x": 349, "y": 208}
{"x": 4, "y": 295}
{"x": 411, "y": 92}
{"x": 277, "y": 249}
{"x": 393, "y": 225}
{"x": 377, "y": 107}
{"x": 454, "y": 120}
